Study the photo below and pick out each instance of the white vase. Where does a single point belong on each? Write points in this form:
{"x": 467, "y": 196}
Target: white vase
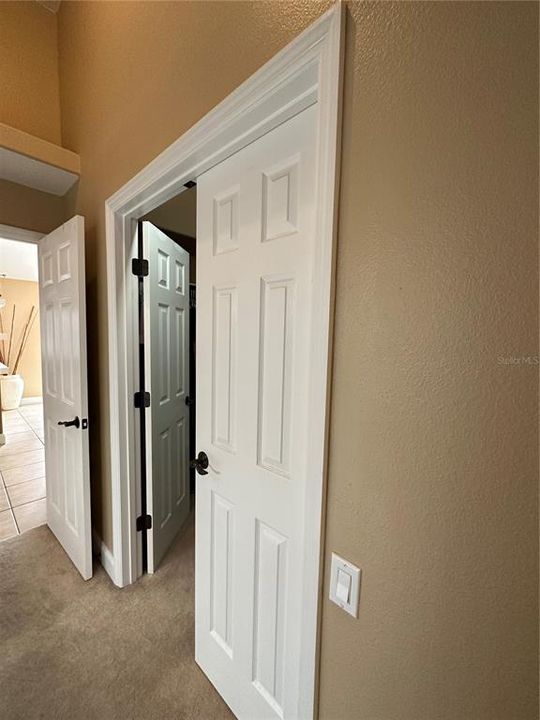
{"x": 12, "y": 391}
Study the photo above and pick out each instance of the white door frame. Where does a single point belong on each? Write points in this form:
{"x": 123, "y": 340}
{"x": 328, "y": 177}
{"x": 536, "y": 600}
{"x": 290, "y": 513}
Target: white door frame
{"x": 307, "y": 72}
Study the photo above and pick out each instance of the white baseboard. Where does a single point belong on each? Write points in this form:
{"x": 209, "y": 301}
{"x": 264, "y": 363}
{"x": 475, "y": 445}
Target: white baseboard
{"x": 32, "y": 400}
{"x": 104, "y": 554}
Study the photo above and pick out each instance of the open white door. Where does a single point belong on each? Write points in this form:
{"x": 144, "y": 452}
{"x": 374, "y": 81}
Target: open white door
{"x": 255, "y": 252}
{"x": 65, "y": 401}
{"x": 166, "y": 329}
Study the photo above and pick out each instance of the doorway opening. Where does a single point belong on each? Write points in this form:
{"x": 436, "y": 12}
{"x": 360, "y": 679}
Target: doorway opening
{"x": 61, "y": 422}
{"x": 22, "y": 448}
{"x": 166, "y": 239}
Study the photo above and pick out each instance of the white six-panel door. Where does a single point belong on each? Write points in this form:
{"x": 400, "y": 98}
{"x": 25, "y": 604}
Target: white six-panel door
{"x": 167, "y": 372}
{"x": 63, "y": 349}
{"x": 255, "y": 245}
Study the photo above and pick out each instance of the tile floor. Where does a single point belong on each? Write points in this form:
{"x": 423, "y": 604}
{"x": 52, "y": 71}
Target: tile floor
{"x": 22, "y": 471}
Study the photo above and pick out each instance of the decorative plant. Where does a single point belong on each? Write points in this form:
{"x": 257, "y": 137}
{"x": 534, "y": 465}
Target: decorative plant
{"x": 14, "y": 351}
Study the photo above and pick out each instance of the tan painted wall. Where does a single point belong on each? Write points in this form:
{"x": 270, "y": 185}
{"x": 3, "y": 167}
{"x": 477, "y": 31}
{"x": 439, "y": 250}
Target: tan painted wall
{"x": 29, "y": 96}
{"x": 433, "y": 486}
{"x": 30, "y": 209}
{"x": 434, "y": 454}
{"x": 178, "y": 214}
{"x": 23, "y": 294}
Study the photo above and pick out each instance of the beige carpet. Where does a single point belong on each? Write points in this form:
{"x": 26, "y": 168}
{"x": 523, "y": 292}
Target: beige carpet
{"x": 71, "y": 650}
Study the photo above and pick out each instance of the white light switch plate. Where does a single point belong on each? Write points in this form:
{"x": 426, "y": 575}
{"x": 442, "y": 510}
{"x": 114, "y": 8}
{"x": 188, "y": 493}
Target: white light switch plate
{"x": 345, "y": 585}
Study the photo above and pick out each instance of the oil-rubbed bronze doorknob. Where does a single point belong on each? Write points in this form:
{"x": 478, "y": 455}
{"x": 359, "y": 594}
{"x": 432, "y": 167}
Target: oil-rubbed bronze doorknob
{"x": 200, "y": 463}
{"x": 71, "y": 423}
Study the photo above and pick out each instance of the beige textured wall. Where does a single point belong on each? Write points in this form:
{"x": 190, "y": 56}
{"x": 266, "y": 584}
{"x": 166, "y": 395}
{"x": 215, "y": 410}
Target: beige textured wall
{"x": 434, "y": 454}
{"x": 30, "y": 209}
{"x": 29, "y": 95}
{"x": 433, "y": 486}
{"x": 23, "y": 294}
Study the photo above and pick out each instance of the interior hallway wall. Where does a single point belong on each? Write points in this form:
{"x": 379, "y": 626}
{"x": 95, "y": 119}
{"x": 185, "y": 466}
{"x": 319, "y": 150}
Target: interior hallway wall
{"x": 433, "y": 486}
{"x": 24, "y": 207}
{"x": 30, "y": 98}
{"x": 434, "y": 450}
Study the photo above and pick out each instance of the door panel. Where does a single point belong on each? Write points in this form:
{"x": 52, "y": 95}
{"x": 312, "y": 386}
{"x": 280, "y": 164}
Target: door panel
{"x": 255, "y": 245}
{"x": 224, "y": 368}
{"x": 167, "y": 373}
{"x": 63, "y": 340}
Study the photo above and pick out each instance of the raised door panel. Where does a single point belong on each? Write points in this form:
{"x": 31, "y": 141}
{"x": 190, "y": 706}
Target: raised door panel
{"x": 180, "y": 473}
{"x": 269, "y": 616}
{"x": 226, "y": 221}
{"x": 48, "y": 345}
{"x": 163, "y": 269}
{"x": 66, "y": 347}
{"x": 71, "y": 489}
{"x": 224, "y": 368}
{"x": 280, "y": 200}
{"x": 64, "y": 253}
{"x": 161, "y": 353}
{"x": 180, "y": 277}
{"x": 55, "y": 491}
{"x": 163, "y": 476}
{"x": 275, "y": 373}
{"x": 179, "y": 356}
{"x": 221, "y": 572}
{"x": 47, "y": 269}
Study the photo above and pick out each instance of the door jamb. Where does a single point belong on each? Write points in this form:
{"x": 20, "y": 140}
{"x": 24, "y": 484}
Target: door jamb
{"x": 306, "y": 72}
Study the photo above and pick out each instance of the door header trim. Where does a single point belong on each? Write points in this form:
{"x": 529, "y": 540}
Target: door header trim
{"x": 9, "y": 232}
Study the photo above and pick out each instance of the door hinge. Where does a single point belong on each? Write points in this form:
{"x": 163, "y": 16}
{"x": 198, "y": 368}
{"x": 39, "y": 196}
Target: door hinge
{"x": 141, "y": 399}
{"x": 143, "y": 522}
{"x": 139, "y": 267}
{"x": 84, "y": 424}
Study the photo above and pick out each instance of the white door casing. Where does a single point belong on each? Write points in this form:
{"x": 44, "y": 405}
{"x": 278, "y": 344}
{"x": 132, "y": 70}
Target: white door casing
{"x": 63, "y": 350}
{"x": 255, "y": 259}
{"x": 166, "y": 329}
